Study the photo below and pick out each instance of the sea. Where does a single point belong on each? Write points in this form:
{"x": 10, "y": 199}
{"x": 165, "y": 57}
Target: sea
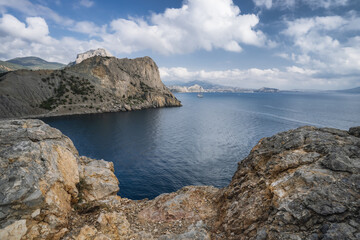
{"x": 157, "y": 151}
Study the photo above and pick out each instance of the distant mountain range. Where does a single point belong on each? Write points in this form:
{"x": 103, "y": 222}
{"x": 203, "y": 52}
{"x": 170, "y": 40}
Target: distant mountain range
{"x": 352, "y": 90}
{"x": 29, "y": 63}
{"x": 203, "y": 86}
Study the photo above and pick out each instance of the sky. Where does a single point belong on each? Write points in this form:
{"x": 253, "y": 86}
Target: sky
{"x": 286, "y": 44}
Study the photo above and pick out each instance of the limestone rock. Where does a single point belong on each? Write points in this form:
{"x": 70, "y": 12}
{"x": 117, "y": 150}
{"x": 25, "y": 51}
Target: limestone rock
{"x": 39, "y": 179}
{"x": 300, "y": 184}
{"x": 114, "y": 225}
{"x": 196, "y": 231}
{"x": 188, "y": 203}
{"x": 97, "y": 179}
{"x": 92, "y": 53}
{"x": 14, "y": 231}
{"x": 97, "y": 84}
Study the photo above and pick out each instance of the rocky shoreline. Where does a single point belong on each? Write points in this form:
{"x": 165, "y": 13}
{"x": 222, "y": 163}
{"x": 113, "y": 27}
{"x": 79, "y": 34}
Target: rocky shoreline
{"x": 299, "y": 184}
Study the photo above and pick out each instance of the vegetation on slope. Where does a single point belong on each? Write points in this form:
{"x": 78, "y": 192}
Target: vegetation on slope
{"x": 69, "y": 87}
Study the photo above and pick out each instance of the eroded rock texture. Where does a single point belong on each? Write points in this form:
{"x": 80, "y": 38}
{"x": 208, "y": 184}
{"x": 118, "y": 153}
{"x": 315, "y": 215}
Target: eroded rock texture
{"x": 300, "y": 184}
{"x": 40, "y": 173}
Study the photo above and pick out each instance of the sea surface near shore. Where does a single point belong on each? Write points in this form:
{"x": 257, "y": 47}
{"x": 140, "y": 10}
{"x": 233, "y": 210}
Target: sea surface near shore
{"x": 161, "y": 150}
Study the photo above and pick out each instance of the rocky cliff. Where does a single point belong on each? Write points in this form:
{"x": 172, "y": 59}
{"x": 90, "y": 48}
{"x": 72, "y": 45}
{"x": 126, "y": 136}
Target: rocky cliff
{"x": 300, "y": 184}
{"x": 92, "y": 53}
{"x": 97, "y": 84}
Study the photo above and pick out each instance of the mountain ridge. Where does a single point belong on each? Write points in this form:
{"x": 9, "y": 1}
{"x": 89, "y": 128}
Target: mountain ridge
{"x": 204, "y": 86}
{"x": 30, "y": 63}
{"x": 97, "y": 84}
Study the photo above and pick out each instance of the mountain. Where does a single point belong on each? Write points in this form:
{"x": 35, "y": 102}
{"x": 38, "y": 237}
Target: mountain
{"x": 97, "y": 84}
{"x": 352, "y": 90}
{"x": 33, "y": 63}
{"x": 203, "y": 86}
{"x": 7, "y": 66}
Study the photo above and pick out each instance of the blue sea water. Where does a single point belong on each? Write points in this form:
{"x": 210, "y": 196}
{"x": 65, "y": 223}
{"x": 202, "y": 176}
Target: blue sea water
{"x": 156, "y": 151}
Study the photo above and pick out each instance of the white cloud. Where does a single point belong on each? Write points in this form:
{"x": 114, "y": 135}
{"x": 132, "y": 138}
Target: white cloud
{"x": 32, "y": 38}
{"x": 35, "y": 10}
{"x": 325, "y": 3}
{"x": 86, "y": 3}
{"x": 265, "y": 3}
{"x": 292, "y": 3}
{"x": 88, "y": 28}
{"x": 36, "y": 30}
{"x": 198, "y": 24}
{"x": 320, "y": 45}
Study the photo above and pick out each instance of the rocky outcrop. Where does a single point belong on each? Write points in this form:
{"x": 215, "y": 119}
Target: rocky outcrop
{"x": 41, "y": 179}
{"x": 300, "y": 184}
{"x": 97, "y": 84}
{"x": 47, "y": 191}
{"x": 92, "y": 53}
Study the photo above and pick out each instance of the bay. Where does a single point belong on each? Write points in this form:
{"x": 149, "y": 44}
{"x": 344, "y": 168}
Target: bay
{"x": 156, "y": 151}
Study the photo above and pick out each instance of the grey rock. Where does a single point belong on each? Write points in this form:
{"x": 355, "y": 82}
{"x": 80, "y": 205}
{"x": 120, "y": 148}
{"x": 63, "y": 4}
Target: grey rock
{"x": 92, "y": 53}
{"x": 194, "y": 232}
{"x": 39, "y": 177}
{"x": 355, "y": 131}
{"x": 299, "y": 184}
{"x": 98, "y": 178}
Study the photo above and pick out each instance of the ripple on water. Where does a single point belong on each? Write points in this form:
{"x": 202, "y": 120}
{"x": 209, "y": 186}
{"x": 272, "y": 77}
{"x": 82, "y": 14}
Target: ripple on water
{"x": 161, "y": 150}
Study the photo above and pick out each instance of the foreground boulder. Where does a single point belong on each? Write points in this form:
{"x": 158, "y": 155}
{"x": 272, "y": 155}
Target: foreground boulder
{"x": 300, "y": 184}
{"x": 40, "y": 178}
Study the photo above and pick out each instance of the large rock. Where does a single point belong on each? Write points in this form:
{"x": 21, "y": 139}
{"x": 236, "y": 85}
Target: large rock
{"x": 97, "y": 84}
{"x": 92, "y": 53}
{"x": 39, "y": 179}
{"x": 300, "y": 184}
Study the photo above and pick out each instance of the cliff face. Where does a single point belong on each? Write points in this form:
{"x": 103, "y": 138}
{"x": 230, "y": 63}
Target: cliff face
{"x": 300, "y": 184}
{"x": 97, "y": 84}
{"x": 92, "y": 53}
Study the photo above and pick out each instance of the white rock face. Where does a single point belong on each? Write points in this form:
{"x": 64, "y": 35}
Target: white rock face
{"x": 91, "y": 53}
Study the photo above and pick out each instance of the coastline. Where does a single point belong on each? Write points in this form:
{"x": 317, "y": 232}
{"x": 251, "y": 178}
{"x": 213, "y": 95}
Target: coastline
{"x": 285, "y": 180}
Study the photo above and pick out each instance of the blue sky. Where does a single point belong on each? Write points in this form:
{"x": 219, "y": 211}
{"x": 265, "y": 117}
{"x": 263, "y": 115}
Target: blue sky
{"x": 287, "y": 44}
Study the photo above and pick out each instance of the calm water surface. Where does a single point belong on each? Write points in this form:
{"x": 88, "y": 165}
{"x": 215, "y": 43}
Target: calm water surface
{"x": 161, "y": 150}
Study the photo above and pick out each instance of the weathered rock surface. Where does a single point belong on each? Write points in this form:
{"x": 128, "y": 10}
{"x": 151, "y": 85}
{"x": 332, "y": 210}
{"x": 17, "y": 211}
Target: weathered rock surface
{"x": 97, "y": 84}
{"x": 92, "y": 53}
{"x": 40, "y": 177}
{"x": 300, "y": 184}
